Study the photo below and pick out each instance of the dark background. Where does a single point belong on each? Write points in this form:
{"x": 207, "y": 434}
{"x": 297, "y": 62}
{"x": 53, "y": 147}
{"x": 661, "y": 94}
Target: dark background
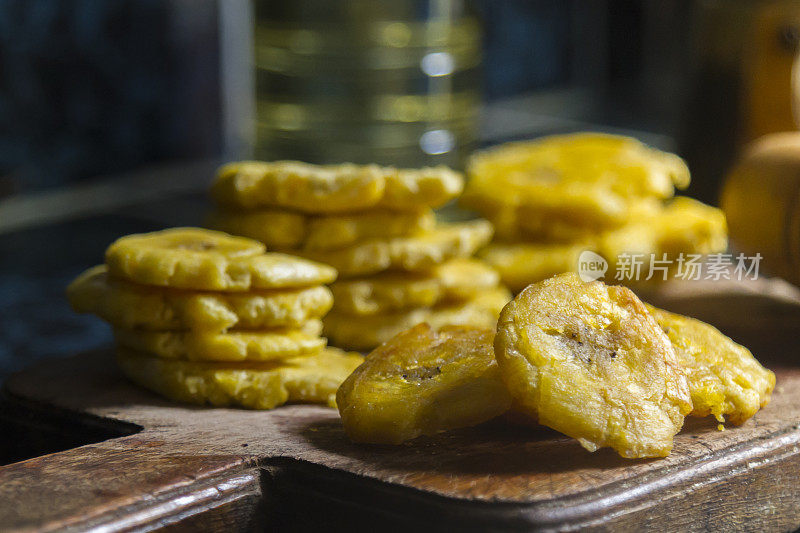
{"x": 90, "y": 89}
{"x": 95, "y": 87}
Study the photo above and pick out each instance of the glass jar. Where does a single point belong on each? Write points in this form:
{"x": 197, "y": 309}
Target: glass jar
{"x": 389, "y": 82}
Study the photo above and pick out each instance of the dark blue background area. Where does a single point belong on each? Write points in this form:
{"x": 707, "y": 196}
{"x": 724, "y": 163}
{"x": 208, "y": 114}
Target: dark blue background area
{"x": 37, "y": 265}
{"x": 93, "y": 87}
{"x": 526, "y": 45}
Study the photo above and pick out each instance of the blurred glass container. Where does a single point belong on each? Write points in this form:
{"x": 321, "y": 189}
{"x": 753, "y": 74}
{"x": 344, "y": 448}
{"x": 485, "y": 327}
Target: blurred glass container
{"x": 390, "y": 82}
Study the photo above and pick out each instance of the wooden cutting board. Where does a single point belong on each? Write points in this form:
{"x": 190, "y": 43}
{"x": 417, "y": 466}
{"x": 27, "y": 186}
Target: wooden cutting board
{"x": 154, "y": 464}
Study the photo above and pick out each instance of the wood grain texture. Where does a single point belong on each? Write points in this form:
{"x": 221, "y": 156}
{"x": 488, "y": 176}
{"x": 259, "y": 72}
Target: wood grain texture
{"x": 294, "y": 468}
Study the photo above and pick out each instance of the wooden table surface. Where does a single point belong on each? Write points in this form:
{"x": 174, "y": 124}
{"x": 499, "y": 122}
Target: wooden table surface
{"x": 183, "y": 467}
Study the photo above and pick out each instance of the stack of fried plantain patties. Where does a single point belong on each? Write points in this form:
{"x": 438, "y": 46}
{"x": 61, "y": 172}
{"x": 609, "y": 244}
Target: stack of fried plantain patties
{"x": 397, "y": 266}
{"x": 201, "y": 316}
{"x": 553, "y": 198}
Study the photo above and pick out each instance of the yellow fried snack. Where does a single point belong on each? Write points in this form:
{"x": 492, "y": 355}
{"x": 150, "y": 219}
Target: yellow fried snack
{"x": 549, "y": 226}
{"x": 575, "y": 203}
{"x": 550, "y": 188}
{"x": 131, "y": 306}
{"x": 201, "y": 259}
{"x": 635, "y": 240}
{"x": 273, "y": 227}
{"x": 284, "y": 229}
{"x": 422, "y": 382}
{"x": 366, "y": 332}
{"x": 465, "y": 278}
{"x": 725, "y": 380}
{"x": 308, "y": 379}
{"x": 334, "y": 188}
{"x": 591, "y": 362}
{"x": 456, "y": 279}
{"x": 689, "y": 226}
{"x": 682, "y": 226}
{"x": 332, "y": 232}
{"x": 522, "y": 264}
{"x": 420, "y": 252}
{"x": 262, "y": 345}
{"x": 620, "y": 165}
{"x": 507, "y": 229}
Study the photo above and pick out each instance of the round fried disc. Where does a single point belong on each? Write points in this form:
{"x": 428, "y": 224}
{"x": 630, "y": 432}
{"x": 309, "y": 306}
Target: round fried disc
{"x": 367, "y": 332}
{"x": 340, "y": 231}
{"x": 551, "y": 188}
{"x": 132, "y": 306}
{"x": 589, "y": 361}
{"x": 286, "y": 229}
{"x": 422, "y": 382}
{"x": 387, "y": 292}
{"x": 276, "y": 228}
{"x": 201, "y": 259}
{"x": 262, "y": 345}
{"x": 683, "y": 226}
{"x": 521, "y": 264}
{"x": 619, "y": 164}
{"x": 691, "y": 227}
{"x": 333, "y": 188}
{"x": 416, "y": 253}
{"x": 725, "y": 380}
{"x": 308, "y": 379}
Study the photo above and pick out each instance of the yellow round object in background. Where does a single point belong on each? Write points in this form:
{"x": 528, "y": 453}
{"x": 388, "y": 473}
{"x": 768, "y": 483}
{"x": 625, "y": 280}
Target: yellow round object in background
{"x": 261, "y": 345}
{"x": 416, "y": 253}
{"x": 132, "y": 306}
{"x": 325, "y": 189}
{"x": 201, "y": 259}
{"x": 308, "y": 379}
{"x": 367, "y": 332}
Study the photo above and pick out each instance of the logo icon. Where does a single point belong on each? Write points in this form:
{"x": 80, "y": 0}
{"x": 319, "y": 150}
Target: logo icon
{"x": 591, "y": 266}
